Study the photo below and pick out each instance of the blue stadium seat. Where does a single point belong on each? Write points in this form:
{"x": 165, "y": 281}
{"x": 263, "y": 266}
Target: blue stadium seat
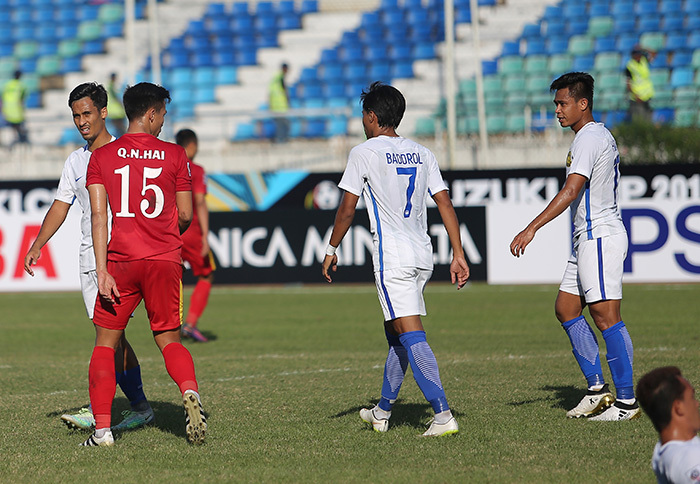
{"x": 71, "y": 64}
{"x": 676, "y": 41}
{"x": 331, "y": 71}
{"x": 226, "y": 75}
{"x": 424, "y": 50}
{"x": 604, "y": 44}
{"x": 694, "y": 40}
{"x": 285, "y": 6}
{"x": 244, "y": 131}
{"x": 215, "y": 10}
{"x": 673, "y": 21}
{"x": 649, "y": 24}
{"x": 682, "y": 77}
{"x": 557, "y": 46}
{"x": 314, "y": 127}
{"x": 670, "y": 6}
{"x": 350, "y": 53}
{"x": 624, "y": 25}
{"x": 400, "y": 52}
{"x": 93, "y": 47}
{"x": 531, "y": 30}
{"x": 309, "y": 6}
{"x": 402, "y": 70}
{"x": 600, "y": 9}
{"x": 576, "y": 27}
{"x": 535, "y": 47}
{"x": 380, "y": 71}
{"x": 378, "y": 52}
{"x": 329, "y": 55}
{"x": 355, "y": 71}
{"x": 584, "y": 63}
{"x": 112, "y": 29}
{"x": 337, "y": 126}
{"x": 204, "y": 94}
{"x": 289, "y": 21}
{"x": 662, "y": 116}
{"x": 692, "y": 22}
{"x": 646, "y": 7}
{"x": 626, "y": 42}
{"x": 247, "y": 57}
{"x": 239, "y": 8}
{"x": 681, "y": 58}
{"x": 691, "y": 6}
{"x": 224, "y": 58}
{"x": 334, "y": 90}
{"x": 622, "y": 9}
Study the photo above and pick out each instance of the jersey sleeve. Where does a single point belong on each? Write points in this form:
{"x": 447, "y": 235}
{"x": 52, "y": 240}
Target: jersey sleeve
{"x": 94, "y": 175}
{"x": 584, "y": 155}
{"x": 199, "y": 181}
{"x": 435, "y": 182}
{"x": 183, "y": 182}
{"x": 353, "y": 179}
{"x": 66, "y": 187}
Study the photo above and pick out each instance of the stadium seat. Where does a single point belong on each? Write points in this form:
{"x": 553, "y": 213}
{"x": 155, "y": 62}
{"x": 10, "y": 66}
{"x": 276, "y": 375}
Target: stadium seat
{"x": 535, "y": 47}
{"x": 660, "y": 77}
{"x": 670, "y": 6}
{"x": 681, "y": 58}
{"x": 622, "y": 9}
{"x": 515, "y": 123}
{"x": 510, "y": 65}
{"x": 599, "y": 8}
{"x": 604, "y": 44}
{"x": 89, "y": 30}
{"x": 674, "y": 21}
{"x": 425, "y": 127}
{"x": 583, "y": 63}
{"x": 561, "y": 63}
{"x": 402, "y": 69}
{"x": 675, "y": 41}
{"x": 662, "y": 116}
{"x": 514, "y": 82}
{"x": 691, "y": 6}
{"x": 496, "y": 124}
{"x": 226, "y": 74}
{"x": 646, "y": 7}
{"x": 682, "y": 77}
{"x": 600, "y": 26}
{"x": 649, "y": 24}
{"x": 684, "y": 118}
{"x": 580, "y": 45}
{"x": 607, "y": 62}
{"x": 536, "y": 64}
{"x": 111, "y": 12}
{"x": 576, "y": 27}
{"x": 510, "y": 48}
{"x": 653, "y": 40}
{"x": 573, "y": 10}
{"x": 624, "y": 24}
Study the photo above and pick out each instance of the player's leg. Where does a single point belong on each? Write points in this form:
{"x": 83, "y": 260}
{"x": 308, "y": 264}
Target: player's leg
{"x": 394, "y": 372}
{"x": 203, "y": 268}
{"x": 128, "y": 373}
{"x": 608, "y": 254}
{"x": 161, "y": 290}
{"x": 569, "y": 308}
{"x": 102, "y": 384}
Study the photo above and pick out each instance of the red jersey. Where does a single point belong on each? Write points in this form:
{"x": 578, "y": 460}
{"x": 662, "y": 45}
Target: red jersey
{"x": 141, "y": 175}
{"x": 199, "y": 185}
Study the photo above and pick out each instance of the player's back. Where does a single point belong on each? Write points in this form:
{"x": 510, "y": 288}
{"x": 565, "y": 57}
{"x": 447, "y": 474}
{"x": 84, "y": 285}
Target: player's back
{"x": 399, "y": 176}
{"x": 141, "y": 175}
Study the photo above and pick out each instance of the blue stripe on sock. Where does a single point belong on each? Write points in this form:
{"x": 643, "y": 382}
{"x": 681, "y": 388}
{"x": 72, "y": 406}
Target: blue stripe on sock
{"x": 585, "y": 349}
{"x": 620, "y": 358}
{"x": 425, "y": 369}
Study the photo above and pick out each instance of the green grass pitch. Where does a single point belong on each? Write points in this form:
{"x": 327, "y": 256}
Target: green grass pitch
{"x": 290, "y": 367}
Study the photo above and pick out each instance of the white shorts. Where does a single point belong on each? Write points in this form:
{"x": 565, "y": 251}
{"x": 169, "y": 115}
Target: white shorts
{"x": 595, "y": 268}
{"x": 88, "y": 284}
{"x": 401, "y": 291}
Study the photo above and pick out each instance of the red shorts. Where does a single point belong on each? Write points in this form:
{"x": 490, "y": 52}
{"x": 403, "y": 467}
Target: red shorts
{"x": 157, "y": 282}
{"x": 192, "y": 253}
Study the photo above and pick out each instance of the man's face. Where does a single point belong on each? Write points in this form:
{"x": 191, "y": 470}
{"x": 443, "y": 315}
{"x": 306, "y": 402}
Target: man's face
{"x": 569, "y": 111}
{"x": 690, "y": 405}
{"x": 89, "y": 120}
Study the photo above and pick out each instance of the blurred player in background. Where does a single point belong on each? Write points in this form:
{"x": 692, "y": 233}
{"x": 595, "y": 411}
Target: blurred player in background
{"x": 195, "y": 246}
{"x": 670, "y": 402}
{"x": 396, "y": 175}
{"x": 114, "y": 105}
{"x": 146, "y": 184}
{"x": 88, "y": 102}
{"x": 593, "y": 275}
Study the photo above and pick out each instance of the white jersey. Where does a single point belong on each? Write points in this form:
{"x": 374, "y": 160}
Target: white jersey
{"x": 677, "y": 461}
{"x": 71, "y": 187}
{"x": 395, "y": 175}
{"x": 594, "y": 154}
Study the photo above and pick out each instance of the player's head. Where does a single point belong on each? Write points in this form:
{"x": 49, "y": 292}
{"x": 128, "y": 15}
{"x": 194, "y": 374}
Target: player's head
{"x": 382, "y": 105}
{"x": 88, "y": 103}
{"x": 284, "y": 67}
{"x": 573, "y": 99}
{"x": 188, "y": 140}
{"x": 145, "y": 103}
{"x": 666, "y": 397}
{"x": 18, "y": 74}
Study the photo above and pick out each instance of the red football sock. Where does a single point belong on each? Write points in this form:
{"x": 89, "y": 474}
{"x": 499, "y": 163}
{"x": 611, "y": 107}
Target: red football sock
{"x": 103, "y": 384}
{"x": 198, "y": 301}
{"x": 178, "y": 362}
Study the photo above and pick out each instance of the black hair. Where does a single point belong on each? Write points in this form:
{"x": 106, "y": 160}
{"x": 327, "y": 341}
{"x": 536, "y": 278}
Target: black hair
{"x": 656, "y": 392}
{"x": 96, "y": 92}
{"x": 185, "y": 136}
{"x": 580, "y": 86}
{"x": 143, "y": 96}
{"x": 386, "y": 102}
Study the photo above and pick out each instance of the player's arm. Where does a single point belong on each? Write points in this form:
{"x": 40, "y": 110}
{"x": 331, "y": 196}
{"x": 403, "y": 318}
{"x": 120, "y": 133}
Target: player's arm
{"x": 100, "y": 235}
{"x": 343, "y": 220}
{"x": 183, "y": 201}
{"x": 52, "y": 221}
{"x": 573, "y": 186}
{"x": 200, "y": 206}
{"x": 459, "y": 269}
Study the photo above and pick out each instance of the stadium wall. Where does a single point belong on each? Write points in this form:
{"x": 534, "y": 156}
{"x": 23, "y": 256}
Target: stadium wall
{"x": 273, "y": 228}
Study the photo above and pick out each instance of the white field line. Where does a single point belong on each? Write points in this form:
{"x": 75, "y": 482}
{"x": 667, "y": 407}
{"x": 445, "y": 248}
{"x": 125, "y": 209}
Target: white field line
{"x": 319, "y": 371}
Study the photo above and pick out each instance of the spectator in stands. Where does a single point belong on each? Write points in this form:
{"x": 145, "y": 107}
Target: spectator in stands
{"x": 639, "y": 84}
{"x": 670, "y": 402}
{"x": 14, "y": 94}
{"x": 115, "y": 110}
{"x": 279, "y": 104}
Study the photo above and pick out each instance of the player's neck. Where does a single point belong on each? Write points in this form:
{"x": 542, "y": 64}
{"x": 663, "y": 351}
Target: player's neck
{"x": 676, "y": 432}
{"x": 587, "y": 118}
{"x": 101, "y": 140}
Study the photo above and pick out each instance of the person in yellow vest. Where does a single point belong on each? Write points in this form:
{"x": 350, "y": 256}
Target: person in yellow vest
{"x": 278, "y": 104}
{"x": 639, "y": 84}
{"x": 13, "y": 95}
{"x": 114, "y": 106}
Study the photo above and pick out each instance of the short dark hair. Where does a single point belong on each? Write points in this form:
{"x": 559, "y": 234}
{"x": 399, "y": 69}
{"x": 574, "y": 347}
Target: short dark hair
{"x": 580, "y": 86}
{"x": 656, "y": 392}
{"x": 143, "y": 96}
{"x": 386, "y": 102}
{"x": 185, "y": 136}
{"x": 96, "y": 92}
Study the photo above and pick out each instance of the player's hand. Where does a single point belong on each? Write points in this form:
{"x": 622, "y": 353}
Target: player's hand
{"x": 30, "y": 259}
{"x": 459, "y": 271}
{"x": 522, "y": 240}
{"x": 329, "y": 262}
{"x": 107, "y": 286}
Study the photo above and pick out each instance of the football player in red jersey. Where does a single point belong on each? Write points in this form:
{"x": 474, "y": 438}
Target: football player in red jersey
{"x": 146, "y": 184}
